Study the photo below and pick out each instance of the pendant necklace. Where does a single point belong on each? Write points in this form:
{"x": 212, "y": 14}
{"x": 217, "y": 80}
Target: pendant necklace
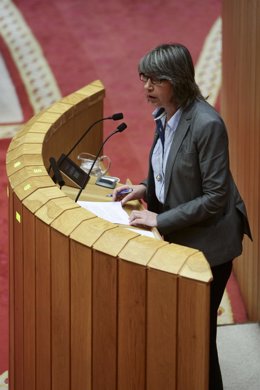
{"x": 160, "y": 176}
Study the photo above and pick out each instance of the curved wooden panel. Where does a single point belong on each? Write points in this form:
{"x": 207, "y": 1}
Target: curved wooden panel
{"x": 94, "y": 305}
{"x": 240, "y": 107}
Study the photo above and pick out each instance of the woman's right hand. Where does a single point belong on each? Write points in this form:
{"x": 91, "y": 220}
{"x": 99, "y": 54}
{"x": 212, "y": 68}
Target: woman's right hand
{"x": 137, "y": 192}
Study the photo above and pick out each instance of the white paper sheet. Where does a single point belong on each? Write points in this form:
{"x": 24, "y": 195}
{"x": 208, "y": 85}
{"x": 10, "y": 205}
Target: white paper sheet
{"x": 146, "y": 233}
{"x": 110, "y": 211}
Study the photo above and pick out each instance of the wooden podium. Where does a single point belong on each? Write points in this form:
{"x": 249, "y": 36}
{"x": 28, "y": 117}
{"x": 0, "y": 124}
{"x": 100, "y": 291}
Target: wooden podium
{"x": 94, "y": 306}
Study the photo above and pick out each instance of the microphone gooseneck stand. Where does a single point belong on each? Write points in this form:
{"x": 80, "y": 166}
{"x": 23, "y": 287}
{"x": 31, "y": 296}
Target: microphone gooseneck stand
{"x": 119, "y": 129}
{"x": 114, "y": 117}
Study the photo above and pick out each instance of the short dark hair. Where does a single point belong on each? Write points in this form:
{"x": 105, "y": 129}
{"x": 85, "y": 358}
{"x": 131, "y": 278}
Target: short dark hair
{"x": 172, "y": 62}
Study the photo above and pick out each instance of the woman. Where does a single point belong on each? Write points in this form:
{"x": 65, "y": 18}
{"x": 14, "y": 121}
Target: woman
{"x": 190, "y": 193}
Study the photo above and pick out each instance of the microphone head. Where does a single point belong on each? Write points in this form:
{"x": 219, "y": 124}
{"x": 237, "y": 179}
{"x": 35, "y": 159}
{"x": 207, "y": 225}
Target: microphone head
{"x": 117, "y": 117}
{"x": 121, "y": 127}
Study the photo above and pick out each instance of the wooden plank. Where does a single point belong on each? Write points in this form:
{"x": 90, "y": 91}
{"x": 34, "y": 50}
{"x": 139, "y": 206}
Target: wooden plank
{"x": 256, "y": 178}
{"x": 27, "y": 172}
{"x": 193, "y": 335}
{"x": 18, "y": 295}
{"x": 94, "y": 227}
{"x": 197, "y": 268}
{"x": 161, "y": 330}
{"x": 43, "y": 306}
{"x": 47, "y": 116}
{"x": 241, "y": 38}
{"x": 40, "y": 197}
{"x": 29, "y": 299}
{"x": 171, "y": 258}
{"x": 23, "y": 149}
{"x": 113, "y": 241}
{"x": 252, "y": 157}
{"x": 244, "y": 119}
{"x": 131, "y": 326}
{"x": 81, "y": 317}
{"x": 33, "y": 126}
{"x": 141, "y": 249}
{"x": 69, "y": 219}
{"x": 32, "y": 184}
{"x": 28, "y": 138}
{"x": 53, "y": 208}
{"x": 60, "y": 311}
{"x": 11, "y": 214}
{"x": 60, "y": 108}
{"x": 23, "y": 161}
{"x": 104, "y": 321}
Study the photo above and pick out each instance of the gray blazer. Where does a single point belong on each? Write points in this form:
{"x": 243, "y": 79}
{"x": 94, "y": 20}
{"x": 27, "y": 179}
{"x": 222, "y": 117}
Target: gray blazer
{"x": 203, "y": 208}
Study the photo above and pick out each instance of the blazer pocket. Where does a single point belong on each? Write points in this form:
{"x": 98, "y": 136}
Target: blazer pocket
{"x": 188, "y": 164}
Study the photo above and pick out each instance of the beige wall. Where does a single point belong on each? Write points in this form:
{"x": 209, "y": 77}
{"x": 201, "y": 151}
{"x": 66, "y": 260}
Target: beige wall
{"x": 240, "y": 105}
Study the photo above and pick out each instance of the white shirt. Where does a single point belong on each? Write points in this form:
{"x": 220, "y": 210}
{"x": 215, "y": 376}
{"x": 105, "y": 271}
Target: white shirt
{"x": 160, "y": 154}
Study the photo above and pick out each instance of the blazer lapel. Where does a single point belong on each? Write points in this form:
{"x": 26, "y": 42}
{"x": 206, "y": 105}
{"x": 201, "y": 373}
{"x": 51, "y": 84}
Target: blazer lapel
{"x": 180, "y": 133}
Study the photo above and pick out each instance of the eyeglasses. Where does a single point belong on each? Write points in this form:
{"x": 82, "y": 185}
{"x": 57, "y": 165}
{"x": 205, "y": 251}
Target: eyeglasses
{"x": 144, "y": 78}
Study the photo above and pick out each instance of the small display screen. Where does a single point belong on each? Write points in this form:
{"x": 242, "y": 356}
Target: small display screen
{"x": 73, "y": 171}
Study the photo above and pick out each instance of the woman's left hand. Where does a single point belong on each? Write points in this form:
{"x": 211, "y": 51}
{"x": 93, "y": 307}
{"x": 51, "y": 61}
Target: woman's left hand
{"x": 144, "y": 217}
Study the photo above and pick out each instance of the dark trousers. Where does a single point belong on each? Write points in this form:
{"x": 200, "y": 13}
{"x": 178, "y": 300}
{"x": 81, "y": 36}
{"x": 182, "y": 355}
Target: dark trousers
{"x": 221, "y": 274}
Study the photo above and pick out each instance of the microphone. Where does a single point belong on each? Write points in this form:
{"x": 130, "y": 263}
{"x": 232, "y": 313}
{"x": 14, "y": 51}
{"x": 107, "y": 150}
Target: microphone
{"x": 119, "y": 129}
{"x": 114, "y": 117}
{"x": 56, "y": 172}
